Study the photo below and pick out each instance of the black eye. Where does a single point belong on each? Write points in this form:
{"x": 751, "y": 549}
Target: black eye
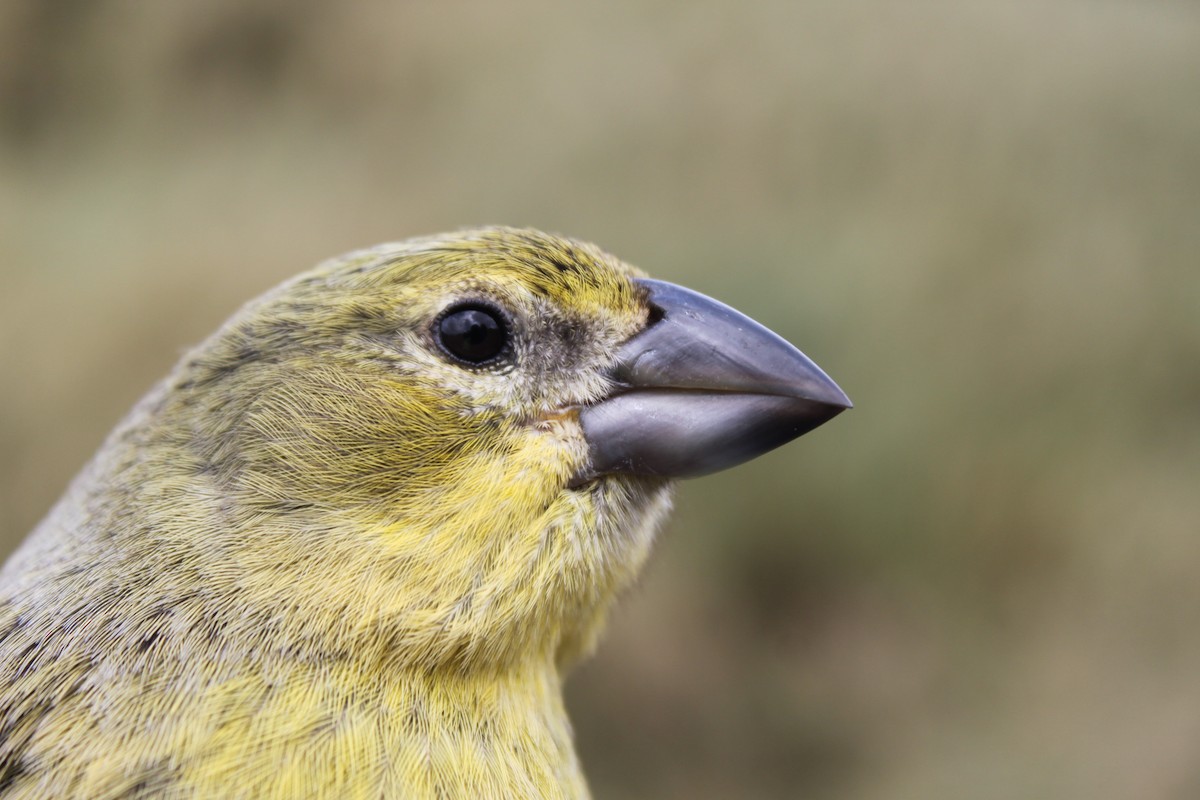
{"x": 475, "y": 334}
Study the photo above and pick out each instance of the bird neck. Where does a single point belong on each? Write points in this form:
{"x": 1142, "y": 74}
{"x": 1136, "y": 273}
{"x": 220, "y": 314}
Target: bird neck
{"x": 425, "y": 733}
{"x": 489, "y": 735}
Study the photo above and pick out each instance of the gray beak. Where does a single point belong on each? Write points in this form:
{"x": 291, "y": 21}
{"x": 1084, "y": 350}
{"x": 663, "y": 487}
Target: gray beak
{"x": 703, "y": 388}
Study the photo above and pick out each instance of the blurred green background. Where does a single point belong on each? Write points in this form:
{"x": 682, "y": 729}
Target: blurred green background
{"x": 982, "y": 218}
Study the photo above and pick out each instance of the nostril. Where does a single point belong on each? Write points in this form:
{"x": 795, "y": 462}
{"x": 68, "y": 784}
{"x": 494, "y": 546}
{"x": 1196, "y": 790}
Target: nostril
{"x": 626, "y": 372}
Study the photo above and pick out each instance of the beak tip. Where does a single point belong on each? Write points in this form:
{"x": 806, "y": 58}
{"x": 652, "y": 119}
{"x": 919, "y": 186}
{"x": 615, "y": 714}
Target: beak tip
{"x": 811, "y": 383}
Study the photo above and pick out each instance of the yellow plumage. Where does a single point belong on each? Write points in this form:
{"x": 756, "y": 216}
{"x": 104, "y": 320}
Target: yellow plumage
{"x": 324, "y": 558}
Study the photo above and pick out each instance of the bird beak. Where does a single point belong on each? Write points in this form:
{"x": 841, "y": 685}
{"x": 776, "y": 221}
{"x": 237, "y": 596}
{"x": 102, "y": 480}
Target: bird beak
{"x": 703, "y": 387}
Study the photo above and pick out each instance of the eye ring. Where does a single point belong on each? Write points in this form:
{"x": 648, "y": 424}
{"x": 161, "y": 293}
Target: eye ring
{"x": 473, "y": 333}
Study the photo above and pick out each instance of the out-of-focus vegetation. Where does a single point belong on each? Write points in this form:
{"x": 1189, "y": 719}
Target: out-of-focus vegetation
{"x": 983, "y": 219}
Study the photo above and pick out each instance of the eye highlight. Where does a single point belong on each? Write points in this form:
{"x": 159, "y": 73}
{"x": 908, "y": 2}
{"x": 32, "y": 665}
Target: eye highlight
{"x": 472, "y": 333}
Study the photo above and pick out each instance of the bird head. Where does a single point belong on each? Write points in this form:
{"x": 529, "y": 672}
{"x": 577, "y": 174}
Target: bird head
{"x": 453, "y": 452}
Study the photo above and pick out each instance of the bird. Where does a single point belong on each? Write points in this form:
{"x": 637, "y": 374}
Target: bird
{"x": 352, "y": 544}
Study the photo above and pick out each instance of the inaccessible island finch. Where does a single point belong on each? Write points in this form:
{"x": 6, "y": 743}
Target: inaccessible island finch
{"x": 350, "y": 545}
